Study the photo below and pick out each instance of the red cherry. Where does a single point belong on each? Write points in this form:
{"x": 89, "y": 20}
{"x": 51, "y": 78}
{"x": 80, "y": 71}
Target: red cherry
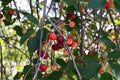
{"x": 66, "y": 52}
{"x": 90, "y": 53}
{"x": 100, "y": 70}
{"x": 60, "y": 45}
{"x": 75, "y": 44}
{"x": 68, "y": 15}
{"x": 11, "y": 12}
{"x": 43, "y": 67}
{"x": 1, "y": 15}
{"x": 69, "y": 41}
{"x": 70, "y": 36}
{"x": 79, "y": 60}
{"x": 46, "y": 55}
{"x": 107, "y": 5}
{"x": 42, "y": 53}
{"x": 72, "y": 24}
{"x": 73, "y": 16}
{"x": 52, "y": 36}
{"x": 54, "y": 47}
{"x": 4, "y": 20}
{"x": 60, "y": 39}
{"x": 54, "y": 67}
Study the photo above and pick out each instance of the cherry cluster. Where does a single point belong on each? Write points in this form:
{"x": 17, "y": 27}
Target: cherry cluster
{"x": 10, "y": 13}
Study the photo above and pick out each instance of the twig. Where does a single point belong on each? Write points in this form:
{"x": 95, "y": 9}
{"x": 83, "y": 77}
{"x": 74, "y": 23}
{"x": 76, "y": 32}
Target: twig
{"x": 116, "y": 31}
{"x": 18, "y": 15}
{"x": 41, "y": 35}
{"x": 37, "y": 7}
{"x": 100, "y": 30}
{"x": 2, "y": 66}
{"x": 30, "y": 3}
{"x": 50, "y": 7}
{"x": 5, "y": 39}
{"x": 40, "y": 59}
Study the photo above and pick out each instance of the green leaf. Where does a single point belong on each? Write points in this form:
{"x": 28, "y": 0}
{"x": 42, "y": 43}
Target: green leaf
{"x": 5, "y": 2}
{"x": 56, "y": 75}
{"x": 31, "y": 18}
{"x": 57, "y": 1}
{"x": 18, "y": 75}
{"x": 28, "y": 71}
{"x": 25, "y": 36}
{"x": 96, "y": 4}
{"x": 33, "y": 44}
{"x": 70, "y": 9}
{"x": 91, "y": 59}
{"x": 35, "y": 60}
{"x": 61, "y": 62}
{"x": 76, "y": 52}
{"x": 39, "y": 75}
{"x": 104, "y": 33}
{"x": 90, "y": 70}
{"x": 18, "y": 30}
{"x": 116, "y": 68}
{"x": 114, "y": 54}
{"x": 91, "y": 67}
{"x": 106, "y": 76}
{"x": 5, "y": 12}
{"x": 108, "y": 43}
{"x": 117, "y": 5}
{"x": 69, "y": 2}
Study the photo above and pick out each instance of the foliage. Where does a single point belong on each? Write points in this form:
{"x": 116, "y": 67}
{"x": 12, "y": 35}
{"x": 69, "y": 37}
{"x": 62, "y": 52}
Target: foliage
{"x": 90, "y": 49}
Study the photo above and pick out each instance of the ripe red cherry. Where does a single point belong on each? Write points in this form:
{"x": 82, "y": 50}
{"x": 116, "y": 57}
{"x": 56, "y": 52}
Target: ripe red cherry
{"x": 42, "y": 53}
{"x": 66, "y": 52}
{"x": 90, "y": 53}
{"x": 11, "y": 12}
{"x": 68, "y": 15}
{"x": 1, "y": 15}
{"x": 60, "y": 45}
{"x": 72, "y": 24}
{"x": 73, "y": 16}
{"x": 75, "y": 44}
{"x": 52, "y": 36}
{"x": 79, "y": 60}
{"x": 107, "y": 5}
{"x": 4, "y": 20}
{"x": 60, "y": 39}
{"x": 46, "y": 56}
{"x": 100, "y": 70}
{"x": 54, "y": 47}
{"x": 43, "y": 67}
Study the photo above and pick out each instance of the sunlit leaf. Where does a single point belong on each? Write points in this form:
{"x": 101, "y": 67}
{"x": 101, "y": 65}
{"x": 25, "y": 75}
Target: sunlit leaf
{"x": 108, "y": 43}
{"x": 31, "y": 18}
{"x": 25, "y": 36}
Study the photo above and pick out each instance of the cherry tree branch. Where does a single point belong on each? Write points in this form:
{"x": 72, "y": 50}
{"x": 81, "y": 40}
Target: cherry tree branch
{"x": 30, "y": 3}
{"x": 116, "y": 31}
{"x": 37, "y": 8}
{"x": 73, "y": 60}
{"x": 41, "y": 36}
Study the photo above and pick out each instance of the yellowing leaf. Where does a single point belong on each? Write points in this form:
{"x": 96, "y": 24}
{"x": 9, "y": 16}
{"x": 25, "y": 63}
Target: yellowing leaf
{"x": 117, "y": 22}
